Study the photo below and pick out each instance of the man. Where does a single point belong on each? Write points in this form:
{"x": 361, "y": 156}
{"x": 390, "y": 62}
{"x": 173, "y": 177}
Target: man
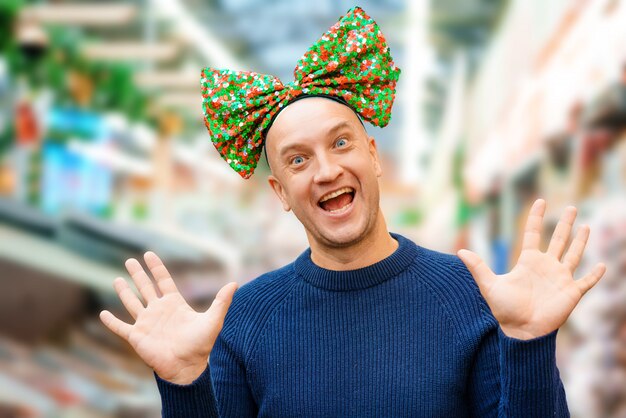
{"x": 363, "y": 323}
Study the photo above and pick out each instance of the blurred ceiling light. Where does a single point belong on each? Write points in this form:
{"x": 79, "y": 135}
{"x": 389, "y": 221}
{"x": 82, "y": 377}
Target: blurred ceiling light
{"x": 30, "y": 32}
{"x": 131, "y": 51}
{"x": 96, "y": 14}
{"x": 212, "y": 50}
{"x": 169, "y": 79}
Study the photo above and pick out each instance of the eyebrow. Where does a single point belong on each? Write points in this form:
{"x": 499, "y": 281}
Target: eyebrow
{"x": 337, "y": 127}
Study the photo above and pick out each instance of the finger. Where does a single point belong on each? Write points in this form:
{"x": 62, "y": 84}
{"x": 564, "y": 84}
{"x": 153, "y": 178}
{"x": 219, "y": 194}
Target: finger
{"x": 577, "y": 248}
{"x": 561, "y": 234}
{"x": 219, "y": 307}
{"x": 592, "y": 278}
{"x": 141, "y": 280}
{"x": 480, "y": 270}
{"x": 162, "y": 277}
{"x": 532, "y": 230}
{"x": 130, "y": 301}
{"x": 119, "y": 327}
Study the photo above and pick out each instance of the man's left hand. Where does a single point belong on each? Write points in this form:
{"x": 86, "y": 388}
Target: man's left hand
{"x": 537, "y": 296}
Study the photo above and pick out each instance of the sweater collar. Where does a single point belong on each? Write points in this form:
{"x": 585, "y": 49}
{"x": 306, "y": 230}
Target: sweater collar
{"x": 360, "y": 278}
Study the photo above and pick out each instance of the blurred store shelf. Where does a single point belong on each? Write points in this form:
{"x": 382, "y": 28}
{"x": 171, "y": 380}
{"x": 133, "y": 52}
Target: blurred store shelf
{"x": 131, "y": 51}
{"x": 95, "y": 14}
{"x": 85, "y": 379}
{"x": 90, "y": 251}
{"x": 48, "y": 256}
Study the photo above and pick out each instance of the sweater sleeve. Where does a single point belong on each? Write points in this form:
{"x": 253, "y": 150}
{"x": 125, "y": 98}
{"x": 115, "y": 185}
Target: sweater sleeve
{"x": 516, "y": 378}
{"x": 196, "y": 399}
{"x": 220, "y": 391}
{"x": 231, "y": 384}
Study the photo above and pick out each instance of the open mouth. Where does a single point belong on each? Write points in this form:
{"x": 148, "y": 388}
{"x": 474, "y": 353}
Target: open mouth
{"x": 338, "y": 200}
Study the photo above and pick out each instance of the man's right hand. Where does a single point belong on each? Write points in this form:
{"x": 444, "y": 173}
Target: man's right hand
{"x": 168, "y": 334}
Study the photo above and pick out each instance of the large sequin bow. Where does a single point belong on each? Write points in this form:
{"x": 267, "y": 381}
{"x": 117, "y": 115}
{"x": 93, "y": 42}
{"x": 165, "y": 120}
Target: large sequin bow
{"x": 350, "y": 61}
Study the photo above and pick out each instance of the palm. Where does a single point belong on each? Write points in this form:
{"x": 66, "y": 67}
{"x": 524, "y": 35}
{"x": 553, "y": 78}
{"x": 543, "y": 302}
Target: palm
{"x": 168, "y": 334}
{"x": 168, "y": 330}
{"x": 538, "y": 289}
{"x": 539, "y": 293}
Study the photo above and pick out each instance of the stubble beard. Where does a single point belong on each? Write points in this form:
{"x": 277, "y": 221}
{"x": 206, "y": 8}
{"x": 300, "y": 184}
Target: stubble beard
{"x": 329, "y": 240}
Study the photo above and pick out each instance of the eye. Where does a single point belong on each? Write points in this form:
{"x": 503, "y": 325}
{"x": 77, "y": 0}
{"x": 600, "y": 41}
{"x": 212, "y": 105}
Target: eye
{"x": 297, "y": 160}
{"x": 341, "y": 142}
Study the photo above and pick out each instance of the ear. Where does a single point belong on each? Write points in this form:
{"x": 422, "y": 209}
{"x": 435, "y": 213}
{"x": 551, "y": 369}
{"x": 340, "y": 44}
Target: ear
{"x": 374, "y": 155}
{"x": 280, "y": 192}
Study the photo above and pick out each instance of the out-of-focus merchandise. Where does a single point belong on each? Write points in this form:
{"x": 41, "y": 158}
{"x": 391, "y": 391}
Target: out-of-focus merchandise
{"x": 596, "y": 367}
{"x": 91, "y": 165}
{"x": 6, "y": 104}
{"x": 72, "y": 180}
{"x": 26, "y": 155}
{"x": 546, "y": 118}
{"x": 81, "y": 377}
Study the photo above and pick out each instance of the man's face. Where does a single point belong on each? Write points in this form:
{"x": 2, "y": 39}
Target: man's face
{"x": 325, "y": 168}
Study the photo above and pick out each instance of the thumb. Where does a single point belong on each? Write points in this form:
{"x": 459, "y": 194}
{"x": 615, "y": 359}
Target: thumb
{"x": 592, "y": 278}
{"x": 217, "y": 312}
{"x": 480, "y": 270}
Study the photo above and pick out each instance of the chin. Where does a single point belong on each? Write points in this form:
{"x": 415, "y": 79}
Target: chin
{"x": 338, "y": 233}
{"x": 342, "y": 237}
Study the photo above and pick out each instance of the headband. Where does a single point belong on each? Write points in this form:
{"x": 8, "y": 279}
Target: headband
{"x": 350, "y": 62}
{"x": 304, "y": 96}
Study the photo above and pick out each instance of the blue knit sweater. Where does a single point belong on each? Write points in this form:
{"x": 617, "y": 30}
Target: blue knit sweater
{"x": 409, "y": 336}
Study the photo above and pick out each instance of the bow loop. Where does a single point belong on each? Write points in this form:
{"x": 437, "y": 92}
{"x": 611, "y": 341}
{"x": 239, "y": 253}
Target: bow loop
{"x": 247, "y": 98}
{"x": 352, "y": 61}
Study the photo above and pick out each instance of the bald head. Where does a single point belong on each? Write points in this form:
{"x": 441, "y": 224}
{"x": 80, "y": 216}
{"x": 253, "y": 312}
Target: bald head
{"x": 301, "y": 118}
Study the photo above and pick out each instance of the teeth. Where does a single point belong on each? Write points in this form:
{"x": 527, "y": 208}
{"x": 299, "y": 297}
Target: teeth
{"x": 335, "y": 194}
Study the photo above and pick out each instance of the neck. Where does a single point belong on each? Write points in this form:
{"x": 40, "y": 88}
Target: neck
{"x": 374, "y": 247}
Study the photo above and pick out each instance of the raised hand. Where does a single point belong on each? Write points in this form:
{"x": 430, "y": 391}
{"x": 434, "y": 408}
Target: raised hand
{"x": 537, "y": 296}
{"x": 168, "y": 334}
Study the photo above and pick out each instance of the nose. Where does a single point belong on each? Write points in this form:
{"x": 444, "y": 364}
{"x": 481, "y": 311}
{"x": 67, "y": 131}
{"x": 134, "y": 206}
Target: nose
{"x": 327, "y": 170}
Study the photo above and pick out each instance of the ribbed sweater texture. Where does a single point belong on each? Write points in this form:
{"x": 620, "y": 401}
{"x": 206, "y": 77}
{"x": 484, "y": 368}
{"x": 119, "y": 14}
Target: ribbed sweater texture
{"x": 409, "y": 336}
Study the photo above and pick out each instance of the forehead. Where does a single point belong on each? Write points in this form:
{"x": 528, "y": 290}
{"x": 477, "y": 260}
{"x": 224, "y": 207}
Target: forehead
{"x": 309, "y": 119}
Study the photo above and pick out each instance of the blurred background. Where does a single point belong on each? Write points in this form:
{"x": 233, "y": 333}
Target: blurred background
{"x": 103, "y": 155}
